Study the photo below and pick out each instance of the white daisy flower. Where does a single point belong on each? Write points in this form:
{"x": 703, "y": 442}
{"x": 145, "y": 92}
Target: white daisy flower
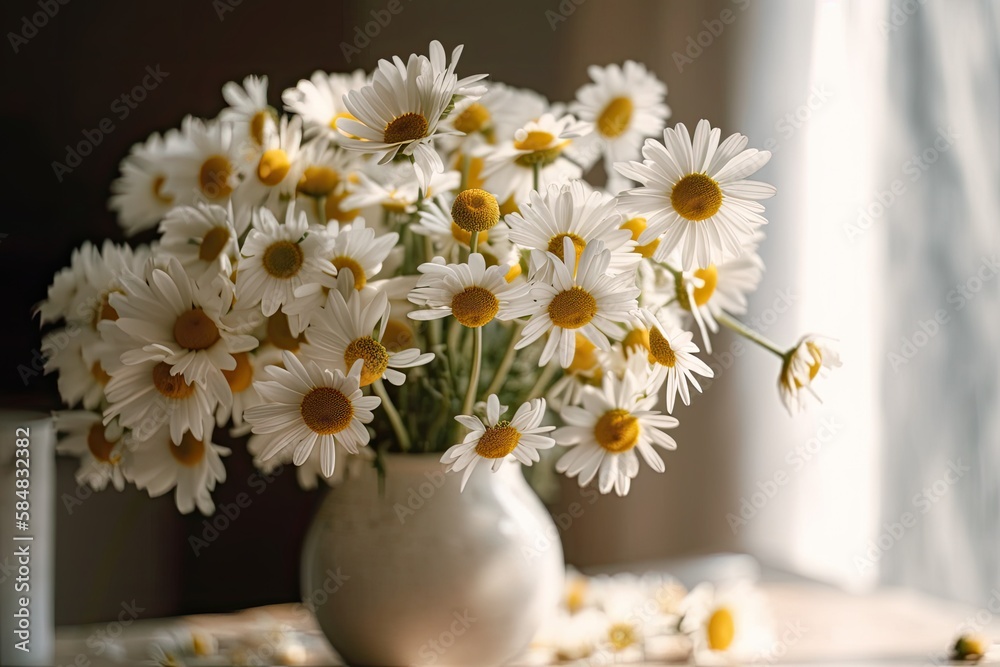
{"x": 591, "y": 302}
{"x": 276, "y": 169}
{"x": 728, "y": 624}
{"x": 624, "y": 105}
{"x": 205, "y": 166}
{"x": 280, "y": 258}
{"x": 319, "y": 101}
{"x": 395, "y": 189}
{"x": 192, "y": 466}
{"x": 169, "y": 318}
{"x": 308, "y": 406}
{"x": 341, "y": 333}
{"x": 138, "y": 196}
{"x": 101, "y": 449}
{"x": 327, "y": 176}
{"x": 606, "y": 431}
{"x": 202, "y": 238}
{"x": 472, "y": 293}
{"x": 494, "y": 440}
{"x": 400, "y": 111}
{"x": 809, "y": 359}
{"x": 248, "y": 112}
{"x": 671, "y": 351}
{"x": 508, "y": 170}
{"x": 695, "y": 195}
{"x": 358, "y": 248}
{"x": 492, "y": 118}
{"x": 576, "y": 212}
{"x": 586, "y": 369}
{"x": 249, "y": 366}
{"x": 74, "y": 353}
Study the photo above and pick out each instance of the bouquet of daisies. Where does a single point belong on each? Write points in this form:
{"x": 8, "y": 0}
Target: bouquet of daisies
{"x": 406, "y": 260}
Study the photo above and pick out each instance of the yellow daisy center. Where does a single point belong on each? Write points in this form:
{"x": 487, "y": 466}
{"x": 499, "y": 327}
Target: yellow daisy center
{"x": 194, "y": 330}
{"x": 474, "y": 306}
{"x": 273, "y": 166}
{"x": 104, "y": 311}
{"x": 637, "y": 338}
{"x": 817, "y": 356}
{"x": 621, "y": 636}
{"x": 556, "y": 245}
{"x": 190, "y": 452}
{"x": 615, "y": 118}
{"x": 576, "y": 596}
{"x": 283, "y": 259}
{"x": 408, "y": 127}
{"x": 696, "y": 197}
{"x": 171, "y": 386}
{"x": 241, "y": 377}
{"x": 257, "y": 125}
{"x": 720, "y": 630}
{"x": 279, "y": 333}
{"x": 318, "y": 181}
{"x": 617, "y": 431}
{"x": 213, "y": 177}
{"x": 475, "y": 210}
{"x": 374, "y": 355}
{"x": 572, "y": 308}
{"x": 660, "y": 351}
{"x": 398, "y": 336}
{"x": 498, "y": 441}
{"x": 542, "y": 153}
{"x": 326, "y": 410}
{"x": 584, "y": 356}
{"x": 344, "y": 262}
{"x": 334, "y": 211}
{"x": 709, "y": 277}
{"x": 99, "y": 446}
{"x": 158, "y": 192}
{"x": 535, "y": 140}
{"x": 213, "y": 243}
{"x": 637, "y": 226}
{"x": 473, "y": 119}
{"x": 99, "y": 374}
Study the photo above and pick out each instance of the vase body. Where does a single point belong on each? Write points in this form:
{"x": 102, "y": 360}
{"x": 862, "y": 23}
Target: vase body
{"x": 421, "y": 573}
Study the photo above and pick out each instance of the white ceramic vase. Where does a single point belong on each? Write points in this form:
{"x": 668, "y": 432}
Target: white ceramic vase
{"x": 419, "y": 573}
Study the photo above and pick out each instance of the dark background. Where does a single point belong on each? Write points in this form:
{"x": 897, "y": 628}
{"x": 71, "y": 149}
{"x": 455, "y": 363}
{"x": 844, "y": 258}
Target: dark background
{"x": 115, "y": 548}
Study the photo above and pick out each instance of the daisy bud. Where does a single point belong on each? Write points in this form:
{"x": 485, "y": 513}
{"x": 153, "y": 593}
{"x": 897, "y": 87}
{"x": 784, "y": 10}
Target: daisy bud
{"x": 969, "y": 647}
{"x": 475, "y": 210}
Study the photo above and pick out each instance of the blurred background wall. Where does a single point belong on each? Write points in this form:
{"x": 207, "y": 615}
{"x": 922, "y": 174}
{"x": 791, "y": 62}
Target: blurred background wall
{"x": 745, "y": 66}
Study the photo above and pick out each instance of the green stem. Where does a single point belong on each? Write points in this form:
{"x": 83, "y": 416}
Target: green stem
{"x": 536, "y": 170}
{"x": 508, "y": 360}
{"x": 466, "y": 163}
{"x": 474, "y": 242}
{"x": 748, "y": 333}
{"x": 542, "y": 383}
{"x": 477, "y": 362}
{"x": 390, "y": 410}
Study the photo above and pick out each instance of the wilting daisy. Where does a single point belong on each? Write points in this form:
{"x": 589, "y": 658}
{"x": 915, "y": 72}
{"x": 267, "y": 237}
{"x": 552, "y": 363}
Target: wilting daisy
{"x": 400, "y": 110}
{"x": 101, "y": 449}
{"x": 805, "y": 362}
{"x": 202, "y": 238}
{"x": 275, "y": 169}
{"x": 308, "y": 406}
{"x": 191, "y": 465}
{"x": 671, "y": 352}
{"x": 728, "y": 624}
{"x": 279, "y": 258}
{"x": 171, "y": 319}
{"x": 606, "y": 431}
{"x": 319, "y": 101}
{"x": 590, "y": 302}
{"x": 509, "y": 168}
{"x": 472, "y": 293}
{"x": 494, "y": 440}
{"x": 695, "y": 195}
{"x": 351, "y": 327}
{"x": 248, "y": 112}
{"x": 624, "y": 104}
{"x": 576, "y": 212}
{"x": 138, "y": 195}
{"x": 205, "y": 166}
